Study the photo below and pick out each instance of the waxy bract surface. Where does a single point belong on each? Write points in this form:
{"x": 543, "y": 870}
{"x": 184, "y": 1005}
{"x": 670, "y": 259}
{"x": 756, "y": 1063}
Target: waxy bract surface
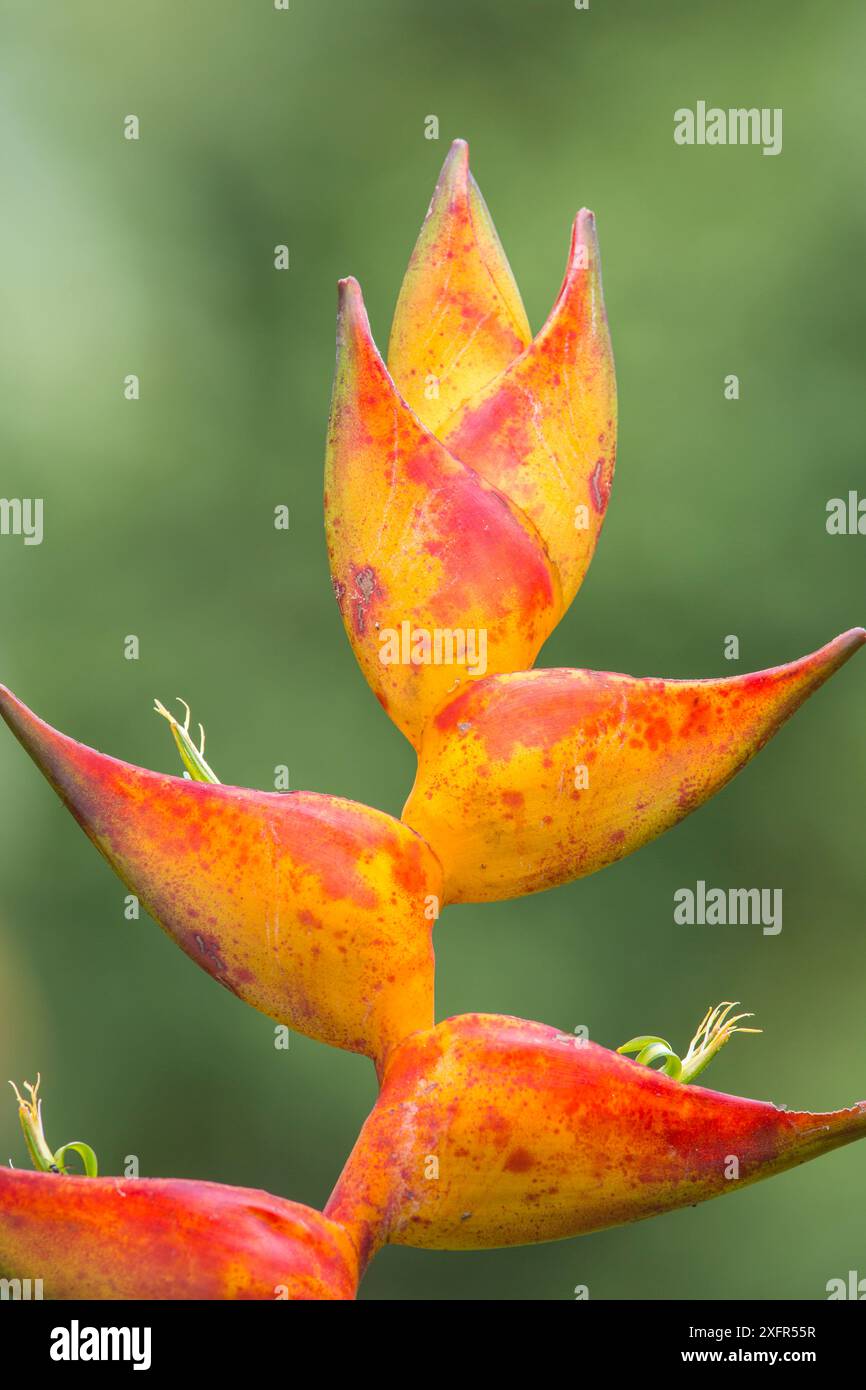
{"x": 531, "y": 780}
{"x": 110, "y": 1238}
{"x": 537, "y": 1135}
{"x": 311, "y": 908}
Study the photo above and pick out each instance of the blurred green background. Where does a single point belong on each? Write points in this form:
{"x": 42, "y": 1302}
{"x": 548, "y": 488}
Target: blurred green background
{"x": 156, "y": 257}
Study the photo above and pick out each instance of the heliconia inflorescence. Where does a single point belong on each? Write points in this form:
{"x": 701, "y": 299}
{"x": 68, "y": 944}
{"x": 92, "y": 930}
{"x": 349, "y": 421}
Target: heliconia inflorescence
{"x": 466, "y": 483}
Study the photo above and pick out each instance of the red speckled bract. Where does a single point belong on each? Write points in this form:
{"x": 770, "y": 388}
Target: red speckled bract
{"x": 417, "y": 538}
{"x": 314, "y": 909}
{"x": 544, "y": 431}
{"x": 459, "y": 319}
{"x": 154, "y": 1238}
{"x": 493, "y": 1131}
{"x": 529, "y": 780}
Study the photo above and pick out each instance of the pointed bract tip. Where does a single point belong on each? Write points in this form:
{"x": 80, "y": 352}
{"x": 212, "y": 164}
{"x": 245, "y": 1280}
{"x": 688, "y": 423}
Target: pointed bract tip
{"x": 835, "y": 653}
{"x": 13, "y": 710}
{"x": 815, "y": 667}
{"x": 348, "y": 292}
{"x": 453, "y": 181}
{"x": 584, "y": 238}
{"x": 351, "y": 312}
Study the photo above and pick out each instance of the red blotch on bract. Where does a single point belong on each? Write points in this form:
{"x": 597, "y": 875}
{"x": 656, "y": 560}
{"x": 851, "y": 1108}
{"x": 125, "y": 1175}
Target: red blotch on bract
{"x": 409, "y": 870}
{"x": 519, "y": 1162}
{"x": 452, "y": 714}
{"x": 513, "y": 798}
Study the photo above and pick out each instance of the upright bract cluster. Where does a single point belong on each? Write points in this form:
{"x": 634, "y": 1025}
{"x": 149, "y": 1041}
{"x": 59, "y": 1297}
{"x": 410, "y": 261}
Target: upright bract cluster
{"x": 466, "y": 485}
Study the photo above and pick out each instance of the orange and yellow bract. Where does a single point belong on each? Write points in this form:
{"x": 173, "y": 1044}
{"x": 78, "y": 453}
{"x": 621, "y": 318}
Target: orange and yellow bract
{"x": 459, "y": 320}
{"x": 158, "y": 1238}
{"x": 531, "y": 780}
{"x": 537, "y": 1135}
{"x": 314, "y": 909}
{"x": 544, "y": 431}
{"x": 414, "y": 536}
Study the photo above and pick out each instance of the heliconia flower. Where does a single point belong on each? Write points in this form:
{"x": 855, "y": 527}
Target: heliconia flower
{"x": 466, "y": 486}
{"x": 466, "y": 489}
{"x": 419, "y": 544}
{"x": 530, "y": 780}
{"x": 157, "y": 1238}
{"x": 493, "y": 1131}
{"x": 316, "y": 910}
